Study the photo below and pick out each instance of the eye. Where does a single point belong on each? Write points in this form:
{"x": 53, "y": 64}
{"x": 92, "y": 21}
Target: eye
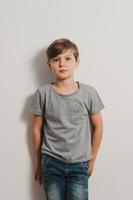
{"x": 68, "y": 58}
{"x": 55, "y": 60}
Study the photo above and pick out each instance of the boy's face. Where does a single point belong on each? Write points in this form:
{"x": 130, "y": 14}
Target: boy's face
{"x": 63, "y": 65}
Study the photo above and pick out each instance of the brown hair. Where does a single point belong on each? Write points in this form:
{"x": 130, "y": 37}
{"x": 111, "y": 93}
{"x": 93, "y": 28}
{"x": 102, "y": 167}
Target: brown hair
{"x": 59, "y": 46}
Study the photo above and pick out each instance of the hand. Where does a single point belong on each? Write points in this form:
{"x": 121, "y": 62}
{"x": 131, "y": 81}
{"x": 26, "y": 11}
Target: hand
{"x": 91, "y": 167}
{"x": 38, "y": 176}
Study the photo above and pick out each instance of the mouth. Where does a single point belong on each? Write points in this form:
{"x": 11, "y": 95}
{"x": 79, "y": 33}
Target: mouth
{"x": 62, "y": 70}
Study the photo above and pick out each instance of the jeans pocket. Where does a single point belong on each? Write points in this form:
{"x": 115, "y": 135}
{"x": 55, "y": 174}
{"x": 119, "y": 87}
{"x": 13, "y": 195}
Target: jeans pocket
{"x": 85, "y": 166}
{"x": 44, "y": 160}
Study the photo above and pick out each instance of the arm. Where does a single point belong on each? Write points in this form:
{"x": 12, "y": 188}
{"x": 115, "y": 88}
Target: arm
{"x": 97, "y": 125}
{"x": 36, "y": 135}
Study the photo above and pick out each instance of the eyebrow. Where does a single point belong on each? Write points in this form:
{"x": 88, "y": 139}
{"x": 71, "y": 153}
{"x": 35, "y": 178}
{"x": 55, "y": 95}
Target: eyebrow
{"x": 65, "y": 56}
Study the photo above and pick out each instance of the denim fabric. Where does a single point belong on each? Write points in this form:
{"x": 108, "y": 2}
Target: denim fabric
{"x": 64, "y": 181}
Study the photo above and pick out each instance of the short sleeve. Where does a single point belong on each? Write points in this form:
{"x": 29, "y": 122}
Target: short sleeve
{"x": 37, "y": 105}
{"x": 96, "y": 103}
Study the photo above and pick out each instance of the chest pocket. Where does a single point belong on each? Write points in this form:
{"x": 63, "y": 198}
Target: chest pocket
{"x": 78, "y": 114}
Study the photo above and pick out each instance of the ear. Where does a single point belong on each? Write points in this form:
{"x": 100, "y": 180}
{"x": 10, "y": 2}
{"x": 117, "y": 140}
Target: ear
{"x": 48, "y": 63}
{"x": 78, "y": 61}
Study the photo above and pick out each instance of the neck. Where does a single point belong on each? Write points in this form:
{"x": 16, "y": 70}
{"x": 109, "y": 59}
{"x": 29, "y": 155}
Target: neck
{"x": 66, "y": 84}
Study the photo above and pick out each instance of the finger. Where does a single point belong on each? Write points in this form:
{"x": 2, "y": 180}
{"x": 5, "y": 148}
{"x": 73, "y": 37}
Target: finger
{"x": 36, "y": 177}
{"x": 90, "y": 172}
{"x": 40, "y": 180}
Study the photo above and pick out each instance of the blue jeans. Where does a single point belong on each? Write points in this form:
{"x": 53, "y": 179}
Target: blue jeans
{"x": 64, "y": 181}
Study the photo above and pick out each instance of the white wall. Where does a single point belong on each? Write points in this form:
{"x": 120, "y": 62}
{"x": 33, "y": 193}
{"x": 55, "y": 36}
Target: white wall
{"x": 103, "y": 32}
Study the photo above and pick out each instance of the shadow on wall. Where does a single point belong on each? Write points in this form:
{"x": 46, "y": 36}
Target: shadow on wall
{"x": 42, "y": 75}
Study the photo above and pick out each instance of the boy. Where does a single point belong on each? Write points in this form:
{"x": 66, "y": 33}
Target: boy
{"x": 65, "y": 146}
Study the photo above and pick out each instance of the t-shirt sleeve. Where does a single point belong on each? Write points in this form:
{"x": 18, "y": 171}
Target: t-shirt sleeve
{"x": 96, "y": 104}
{"x": 37, "y": 105}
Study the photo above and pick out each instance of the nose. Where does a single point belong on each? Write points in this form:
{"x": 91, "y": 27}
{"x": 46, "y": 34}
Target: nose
{"x": 61, "y": 62}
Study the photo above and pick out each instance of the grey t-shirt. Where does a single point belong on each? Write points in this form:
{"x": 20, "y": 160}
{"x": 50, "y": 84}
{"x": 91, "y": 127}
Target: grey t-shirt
{"x": 67, "y": 129}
